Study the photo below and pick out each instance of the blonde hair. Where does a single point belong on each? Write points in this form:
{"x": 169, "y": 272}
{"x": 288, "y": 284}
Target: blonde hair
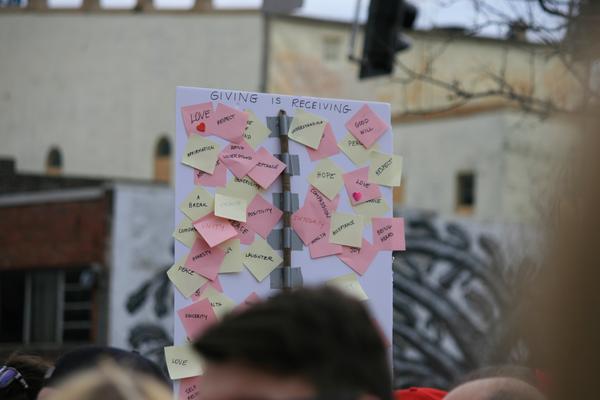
{"x": 108, "y": 381}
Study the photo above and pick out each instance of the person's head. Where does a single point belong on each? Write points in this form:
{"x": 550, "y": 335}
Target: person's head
{"x": 88, "y": 357}
{"x": 497, "y": 388}
{"x": 22, "y": 377}
{"x": 304, "y": 344}
{"x": 108, "y": 381}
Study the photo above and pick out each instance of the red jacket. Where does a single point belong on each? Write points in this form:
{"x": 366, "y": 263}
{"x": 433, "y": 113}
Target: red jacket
{"x": 419, "y": 393}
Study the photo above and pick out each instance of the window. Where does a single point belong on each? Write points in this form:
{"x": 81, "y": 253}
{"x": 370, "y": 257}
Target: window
{"x": 162, "y": 160}
{"x": 331, "y": 48}
{"x": 465, "y": 193}
{"x": 48, "y": 307}
{"x": 54, "y": 162}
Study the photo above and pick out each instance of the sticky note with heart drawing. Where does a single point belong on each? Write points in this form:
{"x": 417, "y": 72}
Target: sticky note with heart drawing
{"x": 358, "y": 188}
{"x": 195, "y": 118}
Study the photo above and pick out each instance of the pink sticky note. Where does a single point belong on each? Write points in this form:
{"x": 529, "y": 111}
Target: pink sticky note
{"x": 248, "y": 302}
{"x": 196, "y": 117}
{"x": 307, "y": 224}
{"x": 359, "y": 259}
{"x": 228, "y": 123}
{"x": 388, "y": 233}
{"x": 359, "y": 190}
{"x": 366, "y": 126}
{"x": 240, "y": 158}
{"x": 204, "y": 260}
{"x": 267, "y": 168}
{"x": 189, "y": 388}
{"x": 217, "y": 178}
{"x": 196, "y": 317}
{"x": 245, "y": 234}
{"x": 320, "y": 246}
{"x": 214, "y": 230}
{"x": 262, "y": 216}
{"x": 327, "y": 147}
{"x": 323, "y": 207}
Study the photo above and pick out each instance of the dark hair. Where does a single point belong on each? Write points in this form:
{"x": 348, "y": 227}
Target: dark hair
{"x": 321, "y": 335}
{"x": 89, "y": 357}
{"x": 33, "y": 369}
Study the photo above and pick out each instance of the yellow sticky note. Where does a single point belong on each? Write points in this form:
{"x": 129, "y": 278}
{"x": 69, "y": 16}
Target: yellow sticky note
{"x": 355, "y": 150}
{"x": 230, "y": 207}
{"x": 346, "y": 229}
{"x": 372, "y": 208}
{"x": 261, "y": 259}
{"x": 232, "y": 262}
{"x": 307, "y": 128}
{"x": 184, "y": 279}
{"x": 256, "y": 132}
{"x": 220, "y": 303}
{"x": 244, "y": 188}
{"x": 197, "y": 204}
{"x": 201, "y": 153}
{"x": 185, "y": 232}
{"x": 327, "y": 177}
{"x": 385, "y": 169}
{"x": 350, "y": 285}
{"x": 182, "y": 361}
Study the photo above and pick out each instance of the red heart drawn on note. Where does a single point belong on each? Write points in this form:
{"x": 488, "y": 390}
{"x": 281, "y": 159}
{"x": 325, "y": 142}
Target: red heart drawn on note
{"x": 357, "y": 196}
{"x": 201, "y": 127}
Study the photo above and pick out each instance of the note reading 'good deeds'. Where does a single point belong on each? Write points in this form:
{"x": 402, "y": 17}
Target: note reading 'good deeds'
{"x": 256, "y": 132}
{"x": 346, "y": 229}
{"x": 261, "y": 259}
{"x": 359, "y": 259}
{"x": 388, "y": 233}
{"x": 366, "y": 126}
{"x": 196, "y": 317}
{"x": 327, "y": 147}
{"x": 217, "y": 179}
{"x": 267, "y": 168}
{"x": 385, "y": 169}
{"x": 327, "y": 177}
{"x": 232, "y": 262}
{"x": 197, "y": 204}
{"x": 184, "y": 279}
{"x": 355, "y": 150}
{"x": 200, "y": 153}
{"x": 214, "y": 229}
{"x": 205, "y": 260}
{"x": 230, "y": 207}
{"x": 358, "y": 188}
{"x": 307, "y": 128}
{"x": 262, "y": 216}
{"x": 185, "y": 232}
{"x": 195, "y": 118}
{"x": 350, "y": 285}
{"x": 182, "y": 361}
{"x": 240, "y": 158}
{"x": 228, "y": 123}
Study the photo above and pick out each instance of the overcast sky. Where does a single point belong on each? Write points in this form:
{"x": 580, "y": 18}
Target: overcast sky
{"x": 431, "y": 12}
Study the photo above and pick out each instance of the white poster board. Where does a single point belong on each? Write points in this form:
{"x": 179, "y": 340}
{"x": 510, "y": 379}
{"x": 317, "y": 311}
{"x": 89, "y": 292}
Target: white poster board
{"x": 377, "y": 280}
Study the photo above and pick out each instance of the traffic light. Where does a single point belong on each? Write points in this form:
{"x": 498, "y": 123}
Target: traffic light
{"x": 383, "y": 35}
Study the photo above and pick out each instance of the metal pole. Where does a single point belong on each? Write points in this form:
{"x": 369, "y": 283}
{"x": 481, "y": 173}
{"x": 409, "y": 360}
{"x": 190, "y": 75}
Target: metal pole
{"x": 351, "y": 55}
{"x": 287, "y": 214}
